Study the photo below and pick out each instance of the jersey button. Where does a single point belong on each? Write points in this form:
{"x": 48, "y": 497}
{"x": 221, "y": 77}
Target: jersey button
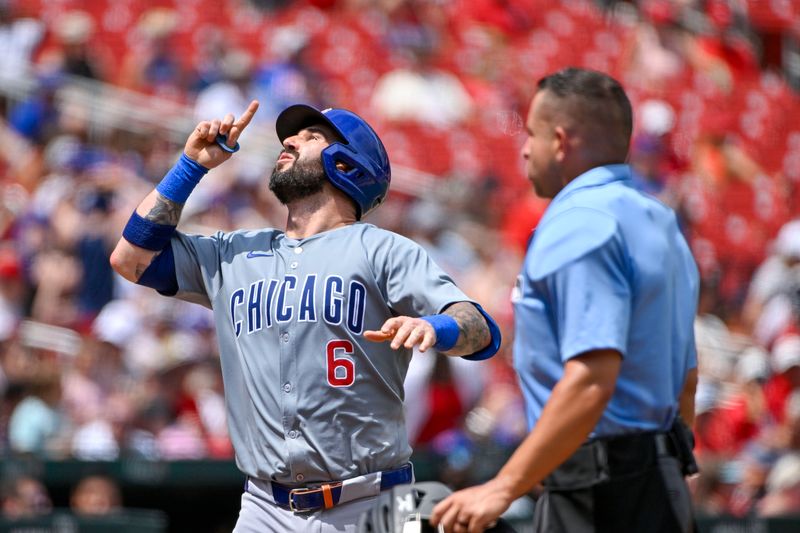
{"x": 287, "y": 387}
{"x": 294, "y": 264}
{"x": 285, "y": 337}
{"x": 298, "y": 250}
{"x": 299, "y": 477}
{"x": 293, "y": 434}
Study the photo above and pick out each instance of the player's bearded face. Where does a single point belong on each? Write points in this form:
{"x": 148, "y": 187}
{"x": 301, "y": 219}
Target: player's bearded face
{"x": 304, "y": 178}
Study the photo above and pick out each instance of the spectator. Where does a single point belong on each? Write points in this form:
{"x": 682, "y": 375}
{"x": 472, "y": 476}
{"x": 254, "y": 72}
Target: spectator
{"x": 201, "y": 400}
{"x": 55, "y": 274}
{"x": 141, "y": 439}
{"x": 36, "y": 421}
{"x": 435, "y": 227}
{"x": 711, "y": 490}
{"x": 230, "y": 94}
{"x": 792, "y": 426}
{"x": 182, "y": 439}
{"x": 723, "y": 52}
{"x": 655, "y": 56}
{"x": 731, "y": 210}
{"x": 94, "y": 440}
{"x": 96, "y": 288}
{"x": 12, "y": 291}
{"x": 439, "y": 391}
{"x": 151, "y": 64}
{"x": 36, "y": 118}
{"x": 652, "y": 157}
{"x": 422, "y": 93}
{"x": 73, "y": 54}
{"x": 705, "y": 424}
{"x": 738, "y": 420}
{"x": 95, "y": 496}
{"x": 754, "y": 465}
{"x": 19, "y": 38}
{"x": 24, "y": 497}
{"x": 768, "y": 307}
{"x": 286, "y": 77}
{"x": 783, "y": 488}
{"x": 786, "y": 378}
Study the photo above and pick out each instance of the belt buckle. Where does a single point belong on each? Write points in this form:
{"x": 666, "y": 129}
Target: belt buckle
{"x": 302, "y": 491}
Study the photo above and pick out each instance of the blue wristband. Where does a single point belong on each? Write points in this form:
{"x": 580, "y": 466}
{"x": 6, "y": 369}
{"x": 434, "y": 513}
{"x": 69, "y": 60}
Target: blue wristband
{"x": 446, "y": 329}
{"x": 181, "y": 180}
{"x": 146, "y": 233}
{"x": 222, "y": 142}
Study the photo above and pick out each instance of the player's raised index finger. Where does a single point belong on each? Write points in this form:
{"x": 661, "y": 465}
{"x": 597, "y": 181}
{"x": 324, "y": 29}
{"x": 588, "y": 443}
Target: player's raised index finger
{"x": 247, "y": 116}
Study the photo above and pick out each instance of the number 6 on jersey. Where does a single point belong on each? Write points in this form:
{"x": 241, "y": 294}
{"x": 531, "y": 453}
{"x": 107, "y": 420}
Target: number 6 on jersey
{"x": 341, "y": 370}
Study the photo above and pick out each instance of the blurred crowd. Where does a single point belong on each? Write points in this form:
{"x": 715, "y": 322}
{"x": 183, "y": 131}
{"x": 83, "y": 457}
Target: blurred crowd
{"x": 24, "y": 497}
{"x": 95, "y": 368}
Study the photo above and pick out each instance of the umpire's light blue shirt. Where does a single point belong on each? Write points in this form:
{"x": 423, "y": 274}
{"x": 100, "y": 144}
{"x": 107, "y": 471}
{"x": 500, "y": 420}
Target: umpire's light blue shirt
{"x": 608, "y": 268}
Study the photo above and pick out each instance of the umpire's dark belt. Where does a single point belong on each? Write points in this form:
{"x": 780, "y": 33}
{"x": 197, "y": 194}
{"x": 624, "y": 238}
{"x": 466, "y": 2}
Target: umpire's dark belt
{"x": 326, "y": 495}
{"x": 597, "y": 461}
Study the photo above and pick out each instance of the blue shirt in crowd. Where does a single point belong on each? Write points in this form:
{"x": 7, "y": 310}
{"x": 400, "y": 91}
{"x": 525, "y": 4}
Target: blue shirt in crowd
{"x": 608, "y": 268}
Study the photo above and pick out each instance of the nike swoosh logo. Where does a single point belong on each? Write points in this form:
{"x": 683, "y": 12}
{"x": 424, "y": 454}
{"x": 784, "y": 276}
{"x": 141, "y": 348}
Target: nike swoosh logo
{"x": 251, "y": 255}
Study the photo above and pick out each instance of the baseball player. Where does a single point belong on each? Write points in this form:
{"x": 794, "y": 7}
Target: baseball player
{"x": 604, "y": 347}
{"x": 314, "y": 408}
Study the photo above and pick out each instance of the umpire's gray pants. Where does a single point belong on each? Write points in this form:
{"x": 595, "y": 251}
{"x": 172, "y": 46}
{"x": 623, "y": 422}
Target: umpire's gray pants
{"x": 259, "y": 514}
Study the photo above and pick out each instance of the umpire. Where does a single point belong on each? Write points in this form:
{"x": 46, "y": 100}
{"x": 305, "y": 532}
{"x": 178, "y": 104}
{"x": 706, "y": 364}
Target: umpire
{"x": 604, "y": 344}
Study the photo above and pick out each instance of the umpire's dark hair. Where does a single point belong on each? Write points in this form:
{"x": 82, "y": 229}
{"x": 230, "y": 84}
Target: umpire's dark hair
{"x": 602, "y": 98}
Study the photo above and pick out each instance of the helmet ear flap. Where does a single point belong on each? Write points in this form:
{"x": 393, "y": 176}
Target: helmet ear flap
{"x": 359, "y": 181}
{"x": 346, "y": 167}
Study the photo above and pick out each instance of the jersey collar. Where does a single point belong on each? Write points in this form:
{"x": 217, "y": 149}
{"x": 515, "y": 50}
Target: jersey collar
{"x": 594, "y": 178}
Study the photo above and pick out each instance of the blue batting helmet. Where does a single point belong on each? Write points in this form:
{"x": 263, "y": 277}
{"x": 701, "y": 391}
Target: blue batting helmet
{"x": 366, "y": 180}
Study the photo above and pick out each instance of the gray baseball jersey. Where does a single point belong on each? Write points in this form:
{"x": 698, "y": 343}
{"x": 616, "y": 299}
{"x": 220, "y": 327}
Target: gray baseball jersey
{"x": 308, "y": 397}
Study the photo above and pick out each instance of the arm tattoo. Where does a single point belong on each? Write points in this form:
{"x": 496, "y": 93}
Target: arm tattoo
{"x": 474, "y": 334}
{"x": 165, "y": 211}
{"x": 141, "y": 267}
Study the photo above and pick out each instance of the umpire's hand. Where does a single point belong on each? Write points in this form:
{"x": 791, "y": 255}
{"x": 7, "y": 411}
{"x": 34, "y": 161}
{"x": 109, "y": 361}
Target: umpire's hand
{"x": 474, "y": 509}
{"x": 202, "y": 146}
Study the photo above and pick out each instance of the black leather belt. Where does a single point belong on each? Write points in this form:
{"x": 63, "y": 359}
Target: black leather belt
{"x": 598, "y": 460}
{"x": 638, "y": 444}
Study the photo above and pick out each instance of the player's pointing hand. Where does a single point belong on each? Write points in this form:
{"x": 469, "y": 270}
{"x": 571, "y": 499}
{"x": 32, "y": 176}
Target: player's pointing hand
{"x": 202, "y": 143}
{"x": 406, "y": 332}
